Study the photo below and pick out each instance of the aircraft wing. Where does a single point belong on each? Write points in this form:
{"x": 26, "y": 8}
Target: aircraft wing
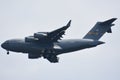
{"x": 56, "y": 35}
{"x": 52, "y": 36}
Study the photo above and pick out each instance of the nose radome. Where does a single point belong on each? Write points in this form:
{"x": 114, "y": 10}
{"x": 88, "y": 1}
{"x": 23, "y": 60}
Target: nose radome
{"x": 5, "y": 44}
{"x": 2, "y": 45}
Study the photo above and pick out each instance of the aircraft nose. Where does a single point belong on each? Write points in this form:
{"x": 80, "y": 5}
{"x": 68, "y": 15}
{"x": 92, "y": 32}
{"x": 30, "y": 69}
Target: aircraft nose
{"x": 5, "y": 44}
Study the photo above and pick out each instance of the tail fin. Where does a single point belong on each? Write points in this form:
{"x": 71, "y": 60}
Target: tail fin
{"x": 100, "y": 29}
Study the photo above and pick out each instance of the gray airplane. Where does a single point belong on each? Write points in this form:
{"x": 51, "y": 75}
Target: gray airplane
{"x": 49, "y": 44}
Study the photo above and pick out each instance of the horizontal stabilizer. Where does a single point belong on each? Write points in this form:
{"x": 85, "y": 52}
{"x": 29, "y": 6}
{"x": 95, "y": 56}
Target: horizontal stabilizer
{"x": 108, "y": 22}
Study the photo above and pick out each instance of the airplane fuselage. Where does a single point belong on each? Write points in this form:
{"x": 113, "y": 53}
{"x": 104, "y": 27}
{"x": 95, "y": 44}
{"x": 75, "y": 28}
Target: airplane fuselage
{"x": 49, "y": 44}
{"x": 63, "y": 46}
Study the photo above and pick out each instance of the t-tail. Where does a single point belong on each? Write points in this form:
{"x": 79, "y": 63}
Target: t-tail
{"x": 100, "y": 29}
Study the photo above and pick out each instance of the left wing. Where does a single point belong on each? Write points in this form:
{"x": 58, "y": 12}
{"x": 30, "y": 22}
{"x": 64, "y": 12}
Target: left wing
{"x": 56, "y": 35}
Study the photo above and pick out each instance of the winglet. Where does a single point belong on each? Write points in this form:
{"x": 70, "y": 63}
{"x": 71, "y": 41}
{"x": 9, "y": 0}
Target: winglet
{"x": 69, "y": 23}
{"x": 108, "y": 22}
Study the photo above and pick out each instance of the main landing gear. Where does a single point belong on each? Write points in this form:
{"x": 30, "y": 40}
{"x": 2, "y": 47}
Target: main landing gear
{"x": 50, "y": 56}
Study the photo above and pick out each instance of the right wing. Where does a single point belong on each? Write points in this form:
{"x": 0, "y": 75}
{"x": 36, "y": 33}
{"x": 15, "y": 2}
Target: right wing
{"x": 56, "y": 35}
{"x": 53, "y": 36}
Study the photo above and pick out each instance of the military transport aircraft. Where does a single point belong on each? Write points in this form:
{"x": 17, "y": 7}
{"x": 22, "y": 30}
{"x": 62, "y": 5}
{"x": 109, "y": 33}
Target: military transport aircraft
{"x": 49, "y": 44}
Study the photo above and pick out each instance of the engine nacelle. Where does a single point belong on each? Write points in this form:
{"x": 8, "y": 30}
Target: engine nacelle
{"x": 40, "y": 35}
{"x": 30, "y": 39}
{"x": 34, "y": 56}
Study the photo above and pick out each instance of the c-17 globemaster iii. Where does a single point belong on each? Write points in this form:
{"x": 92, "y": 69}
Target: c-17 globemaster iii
{"x": 49, "y": 44}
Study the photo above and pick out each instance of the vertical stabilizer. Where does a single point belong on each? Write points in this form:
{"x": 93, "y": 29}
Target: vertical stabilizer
{"x": 100, "y": 29}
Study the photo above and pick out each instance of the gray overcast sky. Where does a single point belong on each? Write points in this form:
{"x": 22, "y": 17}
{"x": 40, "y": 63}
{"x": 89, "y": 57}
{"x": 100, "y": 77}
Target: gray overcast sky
{"x": 20, "y": 18}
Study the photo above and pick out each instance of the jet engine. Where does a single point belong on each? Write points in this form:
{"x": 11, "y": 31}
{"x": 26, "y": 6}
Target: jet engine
{"x": 30, "y": 39}
{"x": 40, "y": 35}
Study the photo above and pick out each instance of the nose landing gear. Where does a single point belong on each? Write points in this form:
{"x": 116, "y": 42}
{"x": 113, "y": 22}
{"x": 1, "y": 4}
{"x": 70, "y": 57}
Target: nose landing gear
{"x": 8, "y": 53}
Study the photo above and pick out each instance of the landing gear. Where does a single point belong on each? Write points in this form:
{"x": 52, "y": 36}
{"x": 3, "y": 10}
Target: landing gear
{"x": 8, "y": 53}
{"x": 51, "y": 56}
